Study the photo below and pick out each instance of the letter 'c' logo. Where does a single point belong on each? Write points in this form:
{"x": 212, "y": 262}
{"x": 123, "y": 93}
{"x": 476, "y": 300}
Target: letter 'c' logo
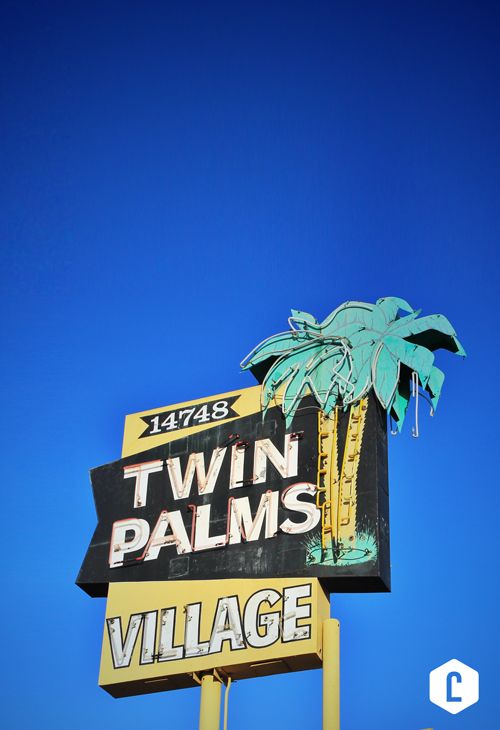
{"x": 450, "y": 697}
{"x": 454, "y": 686}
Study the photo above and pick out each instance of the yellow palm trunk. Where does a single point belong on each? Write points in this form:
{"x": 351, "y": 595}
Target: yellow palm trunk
{"x": 336, "y": 492}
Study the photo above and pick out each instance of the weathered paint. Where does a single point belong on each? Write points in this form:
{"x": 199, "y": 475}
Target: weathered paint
{"x": 239, "y": 499}
{"x": 157, "y": 635}
{"x": 359, "y": 347}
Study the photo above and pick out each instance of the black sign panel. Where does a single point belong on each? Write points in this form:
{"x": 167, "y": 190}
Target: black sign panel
{"x": 239, "y": 500}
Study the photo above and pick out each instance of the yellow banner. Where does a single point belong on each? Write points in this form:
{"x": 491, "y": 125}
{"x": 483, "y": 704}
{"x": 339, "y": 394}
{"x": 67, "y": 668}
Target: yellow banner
{"x": 160, "y": 636}
{"x": 148, "y": 429}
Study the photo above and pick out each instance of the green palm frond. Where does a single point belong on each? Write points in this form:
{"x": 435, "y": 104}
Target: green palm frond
{"x": 358, "y": 347}
{"x": 433, "y": 332}
{"x": 303, "y": 320}
{"x": 400, "y": 403}
{"x": 434, "y": 385}
{"x": 389, "y": 306}
{"x": 385, "y": 376}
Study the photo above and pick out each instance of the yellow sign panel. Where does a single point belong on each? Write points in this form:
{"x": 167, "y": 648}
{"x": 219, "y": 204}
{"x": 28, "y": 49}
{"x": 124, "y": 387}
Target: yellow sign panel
{"x": 161, "y": 635}
{"x": 148, "y": 429}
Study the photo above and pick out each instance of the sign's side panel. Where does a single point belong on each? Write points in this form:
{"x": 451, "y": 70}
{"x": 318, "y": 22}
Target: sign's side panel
{"x": 382, "y": 480}
{"x": 151, "y": 428}
{"x": 157, "y": 635}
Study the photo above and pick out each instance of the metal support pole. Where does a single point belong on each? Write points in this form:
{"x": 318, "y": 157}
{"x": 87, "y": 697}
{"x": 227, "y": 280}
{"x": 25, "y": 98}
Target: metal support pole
{"x": 331, "y": 674}
{"x": 210, "y": 703}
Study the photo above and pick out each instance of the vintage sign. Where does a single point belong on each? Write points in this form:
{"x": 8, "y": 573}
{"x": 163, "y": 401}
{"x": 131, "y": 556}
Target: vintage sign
{"x": 158, "y": 636}
{"x": 229, "y": 518}
{"x": 247, "y": 498}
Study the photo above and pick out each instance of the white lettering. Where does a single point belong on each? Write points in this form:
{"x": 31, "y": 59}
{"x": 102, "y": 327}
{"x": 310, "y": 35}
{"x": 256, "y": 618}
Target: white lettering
{"x": 242, "y": 524}
{"x": 181, "y": 486}
{"x": 201, "y": 539}
{"x": 292, "y": 613}
{"x": 227, "y": 625}
{"x": 268, "y": 621}
{"x": 166, "y": 650}
{"x": 159, "y": 538}
{"x": 192, "y": 634}
{"x": 148, "y": 637}
{"x": 119, "y": 545}
{"x": 141, "y": 472}
{"x": 121, "y": 651}
{"x": 289, "y": 499}
{"x": 237, "y": 464}
{"x": 286, "y": 464}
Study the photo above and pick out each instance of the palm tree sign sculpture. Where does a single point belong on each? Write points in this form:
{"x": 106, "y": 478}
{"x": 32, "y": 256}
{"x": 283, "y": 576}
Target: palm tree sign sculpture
{"x": 382, "y": 347}
{"x": 358, "y": 347}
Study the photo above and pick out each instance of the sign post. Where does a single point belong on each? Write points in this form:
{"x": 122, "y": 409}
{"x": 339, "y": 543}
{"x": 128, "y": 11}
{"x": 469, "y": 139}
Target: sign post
{"x": 331, "y": 674}
{"x": 210, "y": 703}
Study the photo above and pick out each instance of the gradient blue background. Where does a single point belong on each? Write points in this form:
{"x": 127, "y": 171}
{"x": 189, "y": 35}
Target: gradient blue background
{"x": 174, "y": 177}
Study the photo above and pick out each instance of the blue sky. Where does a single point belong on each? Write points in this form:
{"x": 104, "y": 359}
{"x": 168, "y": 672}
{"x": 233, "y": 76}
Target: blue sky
{"x": 175, "y": 177}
